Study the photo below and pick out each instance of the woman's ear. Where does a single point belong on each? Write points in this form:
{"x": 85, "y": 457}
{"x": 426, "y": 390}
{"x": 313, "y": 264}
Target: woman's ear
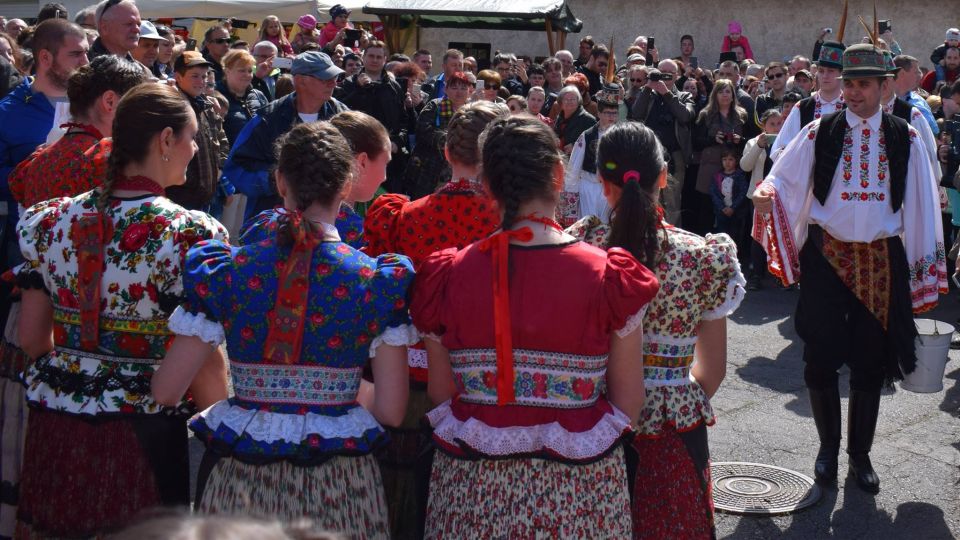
{"x": 167, "y": 140}
{"x": 281, "y": 184}
{"x": 362, "y": 159}
{"x": 558, "y": 176}
{"x": 662, "y": 179}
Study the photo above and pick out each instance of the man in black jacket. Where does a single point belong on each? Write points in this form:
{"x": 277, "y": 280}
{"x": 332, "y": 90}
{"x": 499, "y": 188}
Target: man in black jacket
{"x": 375, "y": 92}
{"x": 669, "y": 113}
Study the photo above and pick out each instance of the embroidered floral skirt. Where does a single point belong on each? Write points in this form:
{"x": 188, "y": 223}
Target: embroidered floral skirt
{"x": 671, "y": 494}
{"x": 405, "y": 466}
{"x": 528, "y": 498}
{"x": 342, "y": 495}
{"x": 13, "y": 428}
{"x": 85, "y": 476}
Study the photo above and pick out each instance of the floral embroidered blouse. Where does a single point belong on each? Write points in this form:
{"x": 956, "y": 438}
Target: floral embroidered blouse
{"x": 559, "y": 410}
{"x": 700, "y": 280}
{"x": 264, "y": 225}
{"x": 305, "y": 411}
{"x": 141, "y": 285}
{"x": 59, "y": 170}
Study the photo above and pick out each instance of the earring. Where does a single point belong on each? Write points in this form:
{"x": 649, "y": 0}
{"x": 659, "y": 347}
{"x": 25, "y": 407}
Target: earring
{"x": 165, "y": 157}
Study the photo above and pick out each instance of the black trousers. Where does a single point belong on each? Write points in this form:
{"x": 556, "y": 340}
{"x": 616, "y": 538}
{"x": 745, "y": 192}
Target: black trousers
{"x": 837, "y": 329}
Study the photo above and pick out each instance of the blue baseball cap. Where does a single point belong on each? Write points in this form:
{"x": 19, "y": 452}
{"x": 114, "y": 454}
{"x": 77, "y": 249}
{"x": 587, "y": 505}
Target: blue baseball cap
{"x": 315, "y": 64}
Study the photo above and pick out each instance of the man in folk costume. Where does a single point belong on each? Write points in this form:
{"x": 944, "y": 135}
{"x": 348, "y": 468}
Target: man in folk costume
{"x": 851, "y": 209}
{"x": 826, "y": 100}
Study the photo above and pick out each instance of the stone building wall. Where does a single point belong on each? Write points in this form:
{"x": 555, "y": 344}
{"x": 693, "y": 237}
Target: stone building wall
{"x": 776, "y": 29}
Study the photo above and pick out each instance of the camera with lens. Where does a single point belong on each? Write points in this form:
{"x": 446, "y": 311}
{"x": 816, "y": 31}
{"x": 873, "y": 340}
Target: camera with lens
{"x": 657, "y": 76}
{"x": 952, "y": 127}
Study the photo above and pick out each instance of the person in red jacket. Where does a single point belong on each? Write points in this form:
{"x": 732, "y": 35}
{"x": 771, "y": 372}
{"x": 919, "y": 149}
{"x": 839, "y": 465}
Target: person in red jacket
{"x": 736, "y": 38}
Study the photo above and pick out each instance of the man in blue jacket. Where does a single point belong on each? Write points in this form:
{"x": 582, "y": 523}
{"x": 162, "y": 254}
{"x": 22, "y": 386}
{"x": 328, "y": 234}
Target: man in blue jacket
{"x": 26, "y": 114}
{"x": 253, "y": 156}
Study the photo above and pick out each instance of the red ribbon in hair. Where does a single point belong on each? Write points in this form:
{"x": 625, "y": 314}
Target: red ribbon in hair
{"x": 499, "y": 246}
{"x": 286, "y": 321}
{"x": 88, "y": 238}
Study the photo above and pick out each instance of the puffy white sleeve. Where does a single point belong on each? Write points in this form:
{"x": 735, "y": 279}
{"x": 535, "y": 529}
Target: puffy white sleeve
{"x": 791, "y": 127}
{"x": 923, "y": 230}
{"x": 571, "y": 182}
{"x": 783, "y": 232}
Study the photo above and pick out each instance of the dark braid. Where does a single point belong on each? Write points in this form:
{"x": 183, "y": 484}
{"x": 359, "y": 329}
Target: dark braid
{"x": 519, "y": 154}
{"x": 465, "y": 127}
{"x": 629, "y": 156}
{"x": 316, "y": 162}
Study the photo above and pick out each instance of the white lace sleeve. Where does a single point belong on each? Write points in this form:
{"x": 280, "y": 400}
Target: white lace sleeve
{"x": 183, "y": 323}
{"x": 404, "y": 335}
{"x": 633, "y": 322}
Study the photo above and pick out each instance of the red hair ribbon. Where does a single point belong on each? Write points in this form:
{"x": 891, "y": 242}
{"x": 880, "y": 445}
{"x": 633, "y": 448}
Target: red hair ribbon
{"x": 499, "y": 246}
{"x": 286, "y": 321}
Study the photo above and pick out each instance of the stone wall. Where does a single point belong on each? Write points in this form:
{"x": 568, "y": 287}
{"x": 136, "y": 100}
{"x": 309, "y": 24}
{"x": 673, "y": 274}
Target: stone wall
{"x": 776, "y": 29}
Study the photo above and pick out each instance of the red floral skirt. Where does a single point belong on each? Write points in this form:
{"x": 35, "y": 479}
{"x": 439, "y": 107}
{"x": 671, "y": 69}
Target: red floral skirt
{"x": 83, "y": 477}
{"x": 671, "y": 494}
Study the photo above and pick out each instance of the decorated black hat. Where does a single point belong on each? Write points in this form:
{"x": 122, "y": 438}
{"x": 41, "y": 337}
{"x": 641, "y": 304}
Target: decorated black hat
{"x": 831, "y": 54}
{"x": 611, "y": 94}
{"x": 864, "y": 60}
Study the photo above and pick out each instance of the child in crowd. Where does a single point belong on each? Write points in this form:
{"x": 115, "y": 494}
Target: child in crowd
{"x": 271, "y": 30}
{"x": 951, "y": 39}
{"x": 729, "y": 194}
{"x": 756, "y": 161}
{"x": 735, "y": 38}
{"x": 307, "y": 33}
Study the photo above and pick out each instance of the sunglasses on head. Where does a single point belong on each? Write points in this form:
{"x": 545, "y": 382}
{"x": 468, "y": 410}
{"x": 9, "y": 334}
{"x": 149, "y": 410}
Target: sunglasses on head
{"x": 108, "y": 5}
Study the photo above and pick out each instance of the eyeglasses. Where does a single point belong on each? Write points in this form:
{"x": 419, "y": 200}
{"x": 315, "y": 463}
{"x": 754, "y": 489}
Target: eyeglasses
{"x": 641, "y": 81}
{"x": 220, "y": 41}
{"x": 775, "y": 76}
{"x": 491, "y": 86}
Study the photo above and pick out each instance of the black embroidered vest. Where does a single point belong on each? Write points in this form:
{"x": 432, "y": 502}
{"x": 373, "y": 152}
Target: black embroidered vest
{"x": 902, "y": 109}
{"x": 829, "y": 148}
{"x": 590, "y": 138}
{"x": 808, "y": 109}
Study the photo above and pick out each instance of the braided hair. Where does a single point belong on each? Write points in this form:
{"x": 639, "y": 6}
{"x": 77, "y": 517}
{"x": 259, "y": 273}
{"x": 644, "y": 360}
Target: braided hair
{"x": 316, "y": 162}
{"x": 142, "y": 114}
{"x": 519, "y": 154}
{"x": 465, "y": 127}
{"x": 630, "y": 156}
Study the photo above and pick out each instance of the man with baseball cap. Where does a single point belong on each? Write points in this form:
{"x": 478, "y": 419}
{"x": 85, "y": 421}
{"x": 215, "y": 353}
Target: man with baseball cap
{"x": 148, "y": 47}
{"x": 851, "y": 211}
{"x": 252, "y": 157}
{"x": 827, "y": 99}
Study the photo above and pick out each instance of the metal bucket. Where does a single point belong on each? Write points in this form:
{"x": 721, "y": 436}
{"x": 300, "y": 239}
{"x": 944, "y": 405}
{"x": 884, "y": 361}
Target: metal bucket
{"x": 933, "y": 348}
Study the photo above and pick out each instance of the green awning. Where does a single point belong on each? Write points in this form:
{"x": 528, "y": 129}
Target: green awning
{"x": 479, "y": 14}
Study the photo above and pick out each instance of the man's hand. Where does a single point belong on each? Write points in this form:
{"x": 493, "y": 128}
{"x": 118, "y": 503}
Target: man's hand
{"x": 658, "y": 86}
{"x": 654, "y": 54}
{"x": 943, "y": 152}
{"x": 363, "y": 79}
{"x": 763, "y": 199}
{"x": 264, "y": 68}
{"x": 727, "y": 211}
{"x": 520, "y": 70}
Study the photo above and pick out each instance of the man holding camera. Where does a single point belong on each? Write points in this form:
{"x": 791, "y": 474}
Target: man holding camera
{"x": 851, "y": 210}
{"x": 669, "y": 113}
{"x": 374, "y": 91}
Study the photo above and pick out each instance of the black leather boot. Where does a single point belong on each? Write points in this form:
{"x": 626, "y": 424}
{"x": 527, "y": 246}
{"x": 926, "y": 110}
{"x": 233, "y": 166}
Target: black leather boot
{"x": 825, "y": 404}
{"x": 862, "y": 424}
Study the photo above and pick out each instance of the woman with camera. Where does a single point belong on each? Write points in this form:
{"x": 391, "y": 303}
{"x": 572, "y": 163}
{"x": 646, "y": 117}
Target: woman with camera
{"x": 719, "y": 124}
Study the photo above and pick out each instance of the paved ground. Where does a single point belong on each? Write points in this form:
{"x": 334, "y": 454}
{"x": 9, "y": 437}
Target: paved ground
{"x": 764, "y": 416}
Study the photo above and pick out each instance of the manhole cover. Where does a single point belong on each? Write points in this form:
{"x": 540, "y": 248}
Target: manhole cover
{"x": 754, "y": 488}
